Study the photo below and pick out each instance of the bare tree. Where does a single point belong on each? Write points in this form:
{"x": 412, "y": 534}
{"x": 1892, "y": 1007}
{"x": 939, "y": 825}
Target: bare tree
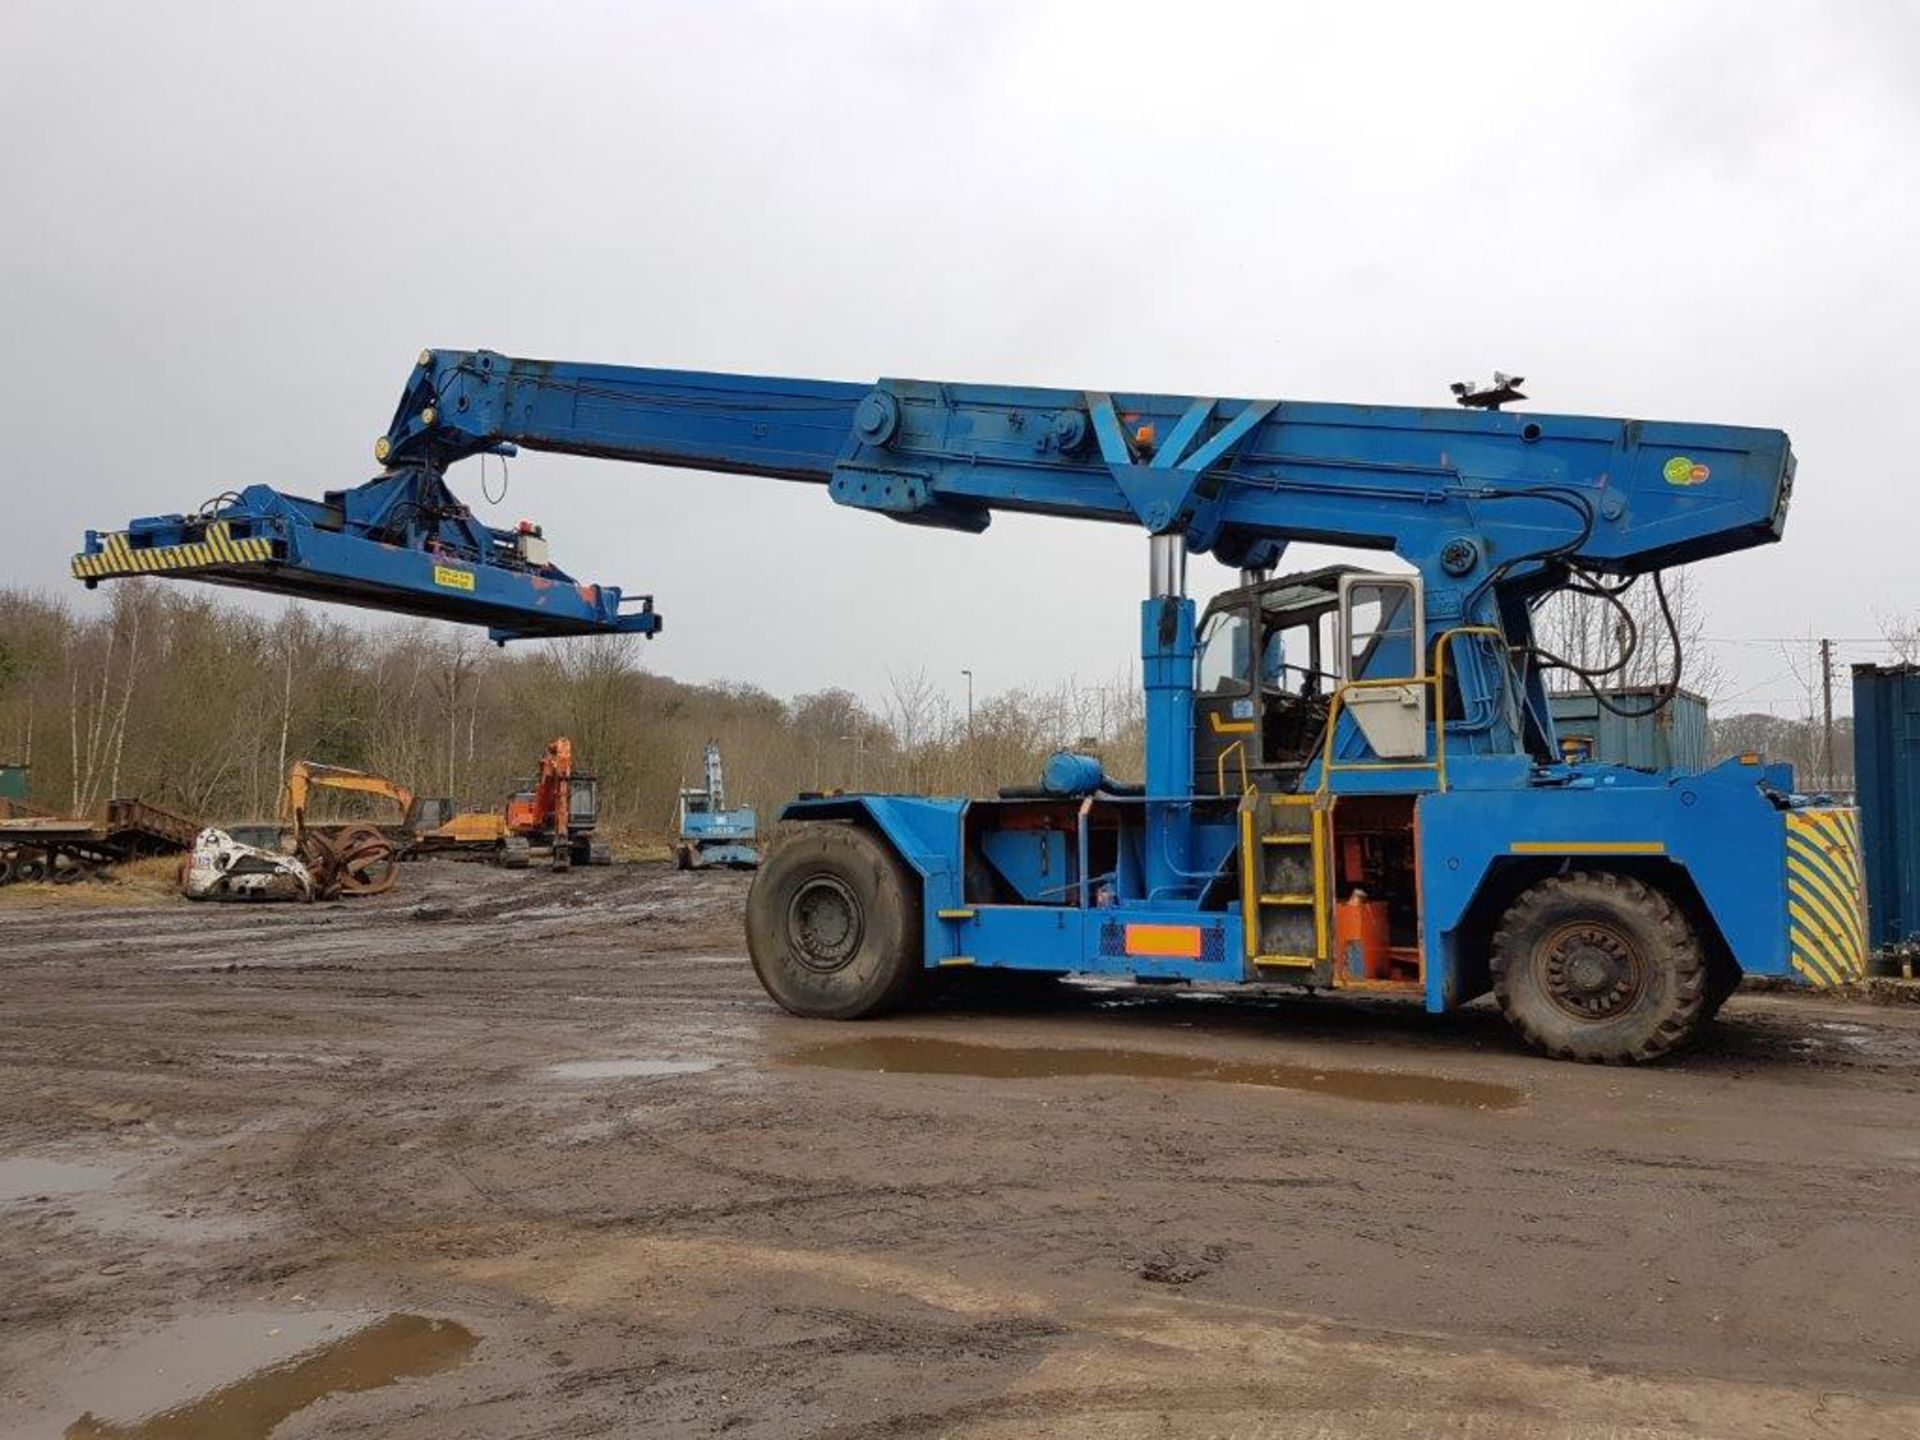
{"x": 913, "y": 710}
{"x": 1902, "y": 632}
{"x": 459, "y": 675}
{"x": 1595, "y": 634}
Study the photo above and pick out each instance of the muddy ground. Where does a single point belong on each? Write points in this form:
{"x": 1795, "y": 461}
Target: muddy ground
{"x": 537, "y": 1151}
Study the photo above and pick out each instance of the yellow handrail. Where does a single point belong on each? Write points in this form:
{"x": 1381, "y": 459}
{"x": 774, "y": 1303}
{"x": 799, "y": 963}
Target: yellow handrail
{"x": 1435, "y": 682}
{"x": 1220, "y": 767}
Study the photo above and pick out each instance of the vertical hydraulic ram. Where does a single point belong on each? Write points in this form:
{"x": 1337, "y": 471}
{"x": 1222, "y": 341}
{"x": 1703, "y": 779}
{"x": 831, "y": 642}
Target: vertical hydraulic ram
{"x": 1166, "y": 663}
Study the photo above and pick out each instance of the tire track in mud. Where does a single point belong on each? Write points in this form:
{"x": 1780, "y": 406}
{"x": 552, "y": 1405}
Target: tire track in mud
{"x": 792, "y": 1192}
{"x": 304, "y": 1171}
{"x": 456, "y": 1145}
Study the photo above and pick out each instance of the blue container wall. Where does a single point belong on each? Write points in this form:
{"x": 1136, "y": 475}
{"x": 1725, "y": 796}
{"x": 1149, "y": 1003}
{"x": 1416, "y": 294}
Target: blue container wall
{"x": 1886, "y": 762}
{"x": 1673, "y": 738}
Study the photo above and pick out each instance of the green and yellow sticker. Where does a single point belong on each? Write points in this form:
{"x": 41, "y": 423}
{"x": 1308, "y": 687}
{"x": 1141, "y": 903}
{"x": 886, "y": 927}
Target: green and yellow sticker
{"x": 451, "y": 578}
{"x": 1681, "y": 470}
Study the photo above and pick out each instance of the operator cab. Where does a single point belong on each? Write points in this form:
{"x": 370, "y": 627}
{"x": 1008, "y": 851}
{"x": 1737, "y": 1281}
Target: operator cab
{"x": 1270, "y": 657}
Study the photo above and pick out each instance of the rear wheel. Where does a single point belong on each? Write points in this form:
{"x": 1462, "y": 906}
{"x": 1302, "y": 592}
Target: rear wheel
{"x": 1599, "y": 967}
{"x": 833, "y": 925}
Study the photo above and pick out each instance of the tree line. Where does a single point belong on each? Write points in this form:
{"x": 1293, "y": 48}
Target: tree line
{"x": 189, "y": 701}
{"x": 192, "y": 702}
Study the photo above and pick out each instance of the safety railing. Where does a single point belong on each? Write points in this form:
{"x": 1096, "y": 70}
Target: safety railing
{"x": 1436, "y": 683}
{"x": 1238, "y": 747}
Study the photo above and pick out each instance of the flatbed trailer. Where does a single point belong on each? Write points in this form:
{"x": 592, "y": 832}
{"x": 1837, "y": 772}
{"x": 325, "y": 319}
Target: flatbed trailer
{"x": 66, "y": 847}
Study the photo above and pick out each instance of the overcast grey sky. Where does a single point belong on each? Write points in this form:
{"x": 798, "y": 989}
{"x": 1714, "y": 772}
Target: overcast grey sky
{"x": 229, "y": 228}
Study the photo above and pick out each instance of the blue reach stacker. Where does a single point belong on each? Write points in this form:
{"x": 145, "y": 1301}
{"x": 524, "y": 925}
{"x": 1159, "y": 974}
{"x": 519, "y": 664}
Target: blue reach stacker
{"x": 1352, "y": 780}
{"x": 710, "y": 835}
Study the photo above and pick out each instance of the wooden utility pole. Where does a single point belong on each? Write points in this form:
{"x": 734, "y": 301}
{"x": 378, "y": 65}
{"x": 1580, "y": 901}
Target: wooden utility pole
{"x": 1826, "y": 713}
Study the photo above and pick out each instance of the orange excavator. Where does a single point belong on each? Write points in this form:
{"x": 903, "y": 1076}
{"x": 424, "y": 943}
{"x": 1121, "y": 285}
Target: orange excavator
{"x": 559, "y": 811}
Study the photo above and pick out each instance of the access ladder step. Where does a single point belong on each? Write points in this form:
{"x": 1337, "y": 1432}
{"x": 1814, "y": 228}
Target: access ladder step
{"x": 1288, "y": 898}
{"x": 1286, "y": 962}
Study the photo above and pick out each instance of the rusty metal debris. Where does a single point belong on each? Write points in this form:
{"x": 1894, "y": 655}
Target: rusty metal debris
{"x": 352, "y": 860}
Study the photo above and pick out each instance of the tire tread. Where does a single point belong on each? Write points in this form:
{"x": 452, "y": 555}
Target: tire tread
{"x": 1687, "y": 961}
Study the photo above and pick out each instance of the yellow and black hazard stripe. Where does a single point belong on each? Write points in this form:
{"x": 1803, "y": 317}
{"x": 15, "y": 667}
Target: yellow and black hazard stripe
{"x": 118, "y": 556}
{"x": 1826, "y": 895}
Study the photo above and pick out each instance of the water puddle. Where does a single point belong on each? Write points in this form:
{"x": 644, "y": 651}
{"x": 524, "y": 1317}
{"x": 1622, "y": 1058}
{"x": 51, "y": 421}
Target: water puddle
{"x": 1846, "y": 1034}
{"x": 25, "y": 1177}
{"x": 394, "y": 1348}
{"x": 637, "y": 1066}
{"x": 918, "y": 1055}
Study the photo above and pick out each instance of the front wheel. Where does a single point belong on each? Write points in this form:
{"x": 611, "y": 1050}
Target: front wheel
{"x": 833, "y": 925}
{"x": 1599, "y": 967}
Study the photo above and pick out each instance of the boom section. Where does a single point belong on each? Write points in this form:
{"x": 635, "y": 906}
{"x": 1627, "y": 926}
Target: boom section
{"x": 1239, "y": 478}
{"x": 1486, "y": 505}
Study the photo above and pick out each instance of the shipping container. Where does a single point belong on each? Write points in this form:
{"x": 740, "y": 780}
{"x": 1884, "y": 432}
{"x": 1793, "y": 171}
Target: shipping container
{"x": 1886, "y": 760}
{"x": 1673, "y": 737}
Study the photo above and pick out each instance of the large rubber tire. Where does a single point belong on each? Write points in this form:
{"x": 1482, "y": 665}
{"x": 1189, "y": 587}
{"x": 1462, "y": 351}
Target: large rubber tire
{"x": 833, "y": 925}
{"x": 1599, "y": 967}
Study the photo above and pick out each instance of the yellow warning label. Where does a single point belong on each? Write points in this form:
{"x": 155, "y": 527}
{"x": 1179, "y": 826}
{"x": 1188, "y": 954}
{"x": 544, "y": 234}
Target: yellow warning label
{"x": 451, "y": 578}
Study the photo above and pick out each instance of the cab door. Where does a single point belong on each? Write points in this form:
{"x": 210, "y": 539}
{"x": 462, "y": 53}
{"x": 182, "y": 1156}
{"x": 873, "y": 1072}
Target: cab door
{"x": 1225, "y": 722}
{"x": 1383, "y": 644}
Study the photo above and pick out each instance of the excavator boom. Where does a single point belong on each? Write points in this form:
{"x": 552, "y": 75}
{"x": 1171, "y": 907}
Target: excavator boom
{"x": 306, "y": 776}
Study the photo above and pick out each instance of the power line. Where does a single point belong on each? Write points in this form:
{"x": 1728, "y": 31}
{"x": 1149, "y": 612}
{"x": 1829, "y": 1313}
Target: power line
{"x": 1878, "y": 642}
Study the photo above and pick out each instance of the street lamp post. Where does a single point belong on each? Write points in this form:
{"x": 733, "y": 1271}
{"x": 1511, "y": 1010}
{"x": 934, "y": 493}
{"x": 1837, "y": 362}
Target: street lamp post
{"x": 969, "y": 675}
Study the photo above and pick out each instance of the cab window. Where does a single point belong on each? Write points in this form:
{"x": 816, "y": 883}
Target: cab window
{"x": 1290, "y": 658}
{"x": 1224, "y": 655}
{"x": 1382, "y": 625}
